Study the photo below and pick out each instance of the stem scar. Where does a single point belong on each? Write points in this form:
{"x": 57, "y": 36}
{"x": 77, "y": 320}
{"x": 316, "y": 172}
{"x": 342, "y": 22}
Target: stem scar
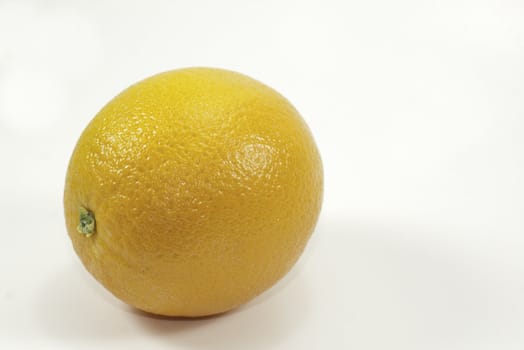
{"x": 87, "y": 223}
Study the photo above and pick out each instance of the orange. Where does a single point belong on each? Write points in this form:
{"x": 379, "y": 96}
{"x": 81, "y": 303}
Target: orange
{"x": 193, "y": 191}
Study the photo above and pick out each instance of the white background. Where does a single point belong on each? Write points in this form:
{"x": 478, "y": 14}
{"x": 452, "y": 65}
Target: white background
{"x": 417, "y": 108}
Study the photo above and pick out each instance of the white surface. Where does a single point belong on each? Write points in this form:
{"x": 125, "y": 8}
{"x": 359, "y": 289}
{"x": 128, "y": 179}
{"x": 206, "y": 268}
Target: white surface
{"x": 417, "y": 108}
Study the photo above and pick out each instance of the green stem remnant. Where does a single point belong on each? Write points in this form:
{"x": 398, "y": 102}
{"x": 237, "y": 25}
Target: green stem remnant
{"x": 87, "y": 222}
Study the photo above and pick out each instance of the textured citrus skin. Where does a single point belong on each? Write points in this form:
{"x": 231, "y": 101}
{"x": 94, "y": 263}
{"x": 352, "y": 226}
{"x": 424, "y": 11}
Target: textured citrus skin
{"x": 205, "y": 186}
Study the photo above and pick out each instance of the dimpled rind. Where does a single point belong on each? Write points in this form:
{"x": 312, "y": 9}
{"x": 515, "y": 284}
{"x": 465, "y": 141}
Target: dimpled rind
{"x": 205, "y": 185}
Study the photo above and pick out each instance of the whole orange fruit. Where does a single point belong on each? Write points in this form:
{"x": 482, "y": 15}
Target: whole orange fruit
{"x": 193, "y": 191}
